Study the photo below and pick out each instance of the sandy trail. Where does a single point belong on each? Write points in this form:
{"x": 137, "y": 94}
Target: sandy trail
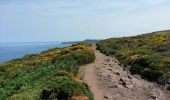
{"x": 109, "y": 81}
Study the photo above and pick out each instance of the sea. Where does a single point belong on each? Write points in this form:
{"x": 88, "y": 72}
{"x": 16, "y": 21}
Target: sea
{"x": 9, "y": 51}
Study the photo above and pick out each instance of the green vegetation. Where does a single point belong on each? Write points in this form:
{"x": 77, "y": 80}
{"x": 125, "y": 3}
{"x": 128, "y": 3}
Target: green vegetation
{"x": 52, "y": 74}
{"x": 148, "y": 54}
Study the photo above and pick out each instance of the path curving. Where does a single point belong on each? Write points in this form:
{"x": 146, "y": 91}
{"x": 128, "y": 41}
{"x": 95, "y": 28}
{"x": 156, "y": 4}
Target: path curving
{"x": 109, "y": 81}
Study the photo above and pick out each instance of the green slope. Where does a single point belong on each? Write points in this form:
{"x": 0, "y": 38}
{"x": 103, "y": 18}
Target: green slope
{"x": 53, "y": 74}
{"x": 147, "y": 54}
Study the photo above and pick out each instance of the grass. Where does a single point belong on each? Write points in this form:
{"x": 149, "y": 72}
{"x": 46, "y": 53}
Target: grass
{"x": 147, "y": 54}
{"x": 52, "y": 74}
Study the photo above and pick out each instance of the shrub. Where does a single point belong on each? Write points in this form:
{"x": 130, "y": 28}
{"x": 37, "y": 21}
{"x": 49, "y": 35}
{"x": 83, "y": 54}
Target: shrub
{"x": 136, "y": 69}
{"x": 63, "y": 88}
{"x": 151, "y": 75}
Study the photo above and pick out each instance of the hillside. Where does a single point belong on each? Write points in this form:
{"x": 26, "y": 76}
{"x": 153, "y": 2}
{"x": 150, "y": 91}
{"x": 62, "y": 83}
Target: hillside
{"x": 147, "y": 55}
{"x": 56, "y": 73}
{"x": 52, "y": 74}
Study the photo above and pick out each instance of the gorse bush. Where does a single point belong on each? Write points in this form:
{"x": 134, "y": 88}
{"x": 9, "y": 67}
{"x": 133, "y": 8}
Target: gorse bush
{"x": 148, "y": 54}
{"x": 63, "y": 88}
{"x": 50, "y": 74}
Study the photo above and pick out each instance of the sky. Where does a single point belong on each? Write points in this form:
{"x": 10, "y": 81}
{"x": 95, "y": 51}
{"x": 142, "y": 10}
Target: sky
{"x": 67, "y": 20}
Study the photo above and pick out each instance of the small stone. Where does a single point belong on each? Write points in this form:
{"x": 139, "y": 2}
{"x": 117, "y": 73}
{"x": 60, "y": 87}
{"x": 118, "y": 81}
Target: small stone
{"x": 129, "y": 77}
{"x": 168, "y": 81}
{"x": 119, "y": 64}
{"x": 115, "y": 86}
{"x": 133, "y": 89}
{"x": 128, "y": 66}
{"x": 111, "y": 86}
{"x": 118, "y": 73}
{"x": 106, "y": 97}
{"x": 110, "y": 65}
{"x": 167, "y": 87}
{"x": 109, "y": 76}
{"x": 123, "y": 83}
{"x": 110, "y": 69}
{"x": 124, "y": 68}
{"x": 153, "y": 96}
{"x": 121, "y": 80}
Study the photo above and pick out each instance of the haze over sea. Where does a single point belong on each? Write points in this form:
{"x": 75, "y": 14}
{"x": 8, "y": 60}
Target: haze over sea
{"x": 9, "y": 51}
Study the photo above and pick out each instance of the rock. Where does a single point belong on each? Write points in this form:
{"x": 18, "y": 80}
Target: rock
{"x": 124, "y": 68}
{"x": 119, "y": 64}
{"x": 108, "y": 59}
{"x": 116, "y": 86}
{"x": 167, "y": 87}
{"x": 168, "y": 81}
{"x": 113, "y": 86}
{"x": 110, "y": 65}
{"x": 137, "y": 77}
{"x": 110, "y": 69}
{"x": 122, "y": 82}
{"x": 106, "y": 97}
{"x": 118, "y": 73}
{"x": 133, "y": 89}
{"x": 109, "y": 76}
{"x": 129, "y": 77}
{"x": 128, "y": 66}
{"x": 153, "y": 96}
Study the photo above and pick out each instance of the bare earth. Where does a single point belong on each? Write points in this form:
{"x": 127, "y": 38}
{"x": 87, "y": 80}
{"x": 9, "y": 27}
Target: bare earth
{"x": 108, "y": 80}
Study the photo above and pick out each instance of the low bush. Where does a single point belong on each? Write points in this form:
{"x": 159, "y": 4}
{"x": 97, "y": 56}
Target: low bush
{"x": 63, "y": 88}
{"x": 151, "y": 75}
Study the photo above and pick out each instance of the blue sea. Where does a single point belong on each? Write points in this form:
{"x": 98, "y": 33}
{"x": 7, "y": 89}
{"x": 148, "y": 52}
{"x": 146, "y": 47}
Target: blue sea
{"x": 9, "y": 51}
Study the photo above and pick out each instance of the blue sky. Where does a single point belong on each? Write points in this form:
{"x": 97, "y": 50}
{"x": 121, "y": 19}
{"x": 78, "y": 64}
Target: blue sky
{"x": 60, "y": 20}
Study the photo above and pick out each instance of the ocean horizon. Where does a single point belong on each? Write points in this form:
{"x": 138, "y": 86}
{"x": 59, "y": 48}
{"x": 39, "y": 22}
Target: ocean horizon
{"x": 9, "y": 51}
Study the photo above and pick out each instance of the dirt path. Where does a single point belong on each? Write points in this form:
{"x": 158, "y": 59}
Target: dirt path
{"x": 109, "y": 81}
